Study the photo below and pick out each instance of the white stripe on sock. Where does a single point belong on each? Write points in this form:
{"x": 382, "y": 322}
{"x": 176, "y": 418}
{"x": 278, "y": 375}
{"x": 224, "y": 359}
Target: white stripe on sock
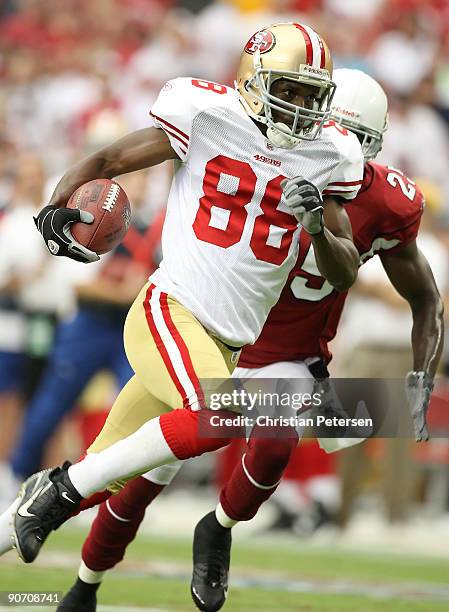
{"x": 89, "y": 576}
{"x": 223, "y": 518}
{"x": 254, "y": 482}
{"x": 115, "y": 515}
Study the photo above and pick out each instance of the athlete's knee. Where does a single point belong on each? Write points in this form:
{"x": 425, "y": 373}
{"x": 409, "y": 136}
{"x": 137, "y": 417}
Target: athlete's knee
{"x": 191, "y": 433}
{"x": 134, "y": 497}
{"x": 271, "y": 453}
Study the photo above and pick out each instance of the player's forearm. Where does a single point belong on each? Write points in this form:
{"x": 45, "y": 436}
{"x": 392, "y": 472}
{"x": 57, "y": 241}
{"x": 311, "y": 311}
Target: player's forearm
{"x": 337, "y": 259}
{"x": 427, "y": 332}
{"x": 138, "y": 150}
{"x": 86, "y": 170}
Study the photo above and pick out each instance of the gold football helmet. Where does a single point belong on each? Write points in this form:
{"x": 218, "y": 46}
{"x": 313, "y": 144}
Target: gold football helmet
{"x": 290, "y": 51}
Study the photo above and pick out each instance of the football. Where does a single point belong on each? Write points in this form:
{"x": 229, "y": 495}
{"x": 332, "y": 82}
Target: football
{"x": 109, "y": 204}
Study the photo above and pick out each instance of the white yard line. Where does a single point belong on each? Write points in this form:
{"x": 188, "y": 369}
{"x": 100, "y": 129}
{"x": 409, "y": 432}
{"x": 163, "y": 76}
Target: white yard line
{"x": 263, "y": 580}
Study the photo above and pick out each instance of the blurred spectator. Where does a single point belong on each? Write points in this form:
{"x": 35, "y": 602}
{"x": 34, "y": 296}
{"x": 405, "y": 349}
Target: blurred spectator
{"x": 90, "y": 341}
{"x": 354, "y": 9}
{"x": 401, "y": 58}
{"x": 100, "y": 122}
{"x": 22, "y": 269}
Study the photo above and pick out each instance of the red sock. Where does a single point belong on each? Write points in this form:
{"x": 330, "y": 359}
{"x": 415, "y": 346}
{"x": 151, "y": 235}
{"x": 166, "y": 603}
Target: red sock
{"x": 255, "y": 477}
{"x": 116, "y": 524}
{"x": 94, "y": 500}
{"x": 191, "y": 433}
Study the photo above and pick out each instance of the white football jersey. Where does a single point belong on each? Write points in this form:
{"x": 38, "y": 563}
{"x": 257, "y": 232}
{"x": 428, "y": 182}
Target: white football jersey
{"x": 229, "y": 240}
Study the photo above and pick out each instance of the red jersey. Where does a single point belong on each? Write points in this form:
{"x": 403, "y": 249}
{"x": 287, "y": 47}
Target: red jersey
{"x": 384, "y": 216}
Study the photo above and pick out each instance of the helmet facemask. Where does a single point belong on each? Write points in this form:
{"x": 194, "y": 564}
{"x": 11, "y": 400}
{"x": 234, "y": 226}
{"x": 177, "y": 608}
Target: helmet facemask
{"x": 370, "y": 139}
{"x": 303, "y": 123}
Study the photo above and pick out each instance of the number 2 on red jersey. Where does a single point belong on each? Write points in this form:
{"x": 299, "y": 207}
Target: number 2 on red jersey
{"x": 397, "y": 178}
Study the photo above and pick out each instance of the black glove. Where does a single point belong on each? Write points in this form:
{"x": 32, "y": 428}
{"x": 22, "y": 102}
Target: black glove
{"x": 419, "y": 387}
{"x": 305, "y": 203}
{"x": 54, "y": 225}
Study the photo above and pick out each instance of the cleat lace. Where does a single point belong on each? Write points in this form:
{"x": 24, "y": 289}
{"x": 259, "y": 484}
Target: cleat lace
{"x": 51, "y": 519}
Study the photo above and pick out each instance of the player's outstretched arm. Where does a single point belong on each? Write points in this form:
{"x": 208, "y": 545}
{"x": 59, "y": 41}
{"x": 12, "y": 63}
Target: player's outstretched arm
{"x": 335, "y": 253}
{"x": 140, "y": 149}
{"x": 410, "y": 274}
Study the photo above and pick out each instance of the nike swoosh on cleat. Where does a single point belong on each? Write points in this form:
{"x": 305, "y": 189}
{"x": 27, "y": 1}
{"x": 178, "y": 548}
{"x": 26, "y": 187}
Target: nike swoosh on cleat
{"x": 196, "y": 594}
{"x": 23, "y": 510}
{"x": 65, "y": 496}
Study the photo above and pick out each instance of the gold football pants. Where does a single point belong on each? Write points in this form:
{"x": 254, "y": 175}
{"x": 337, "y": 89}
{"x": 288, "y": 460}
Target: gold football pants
{"x": 171, "y": 354}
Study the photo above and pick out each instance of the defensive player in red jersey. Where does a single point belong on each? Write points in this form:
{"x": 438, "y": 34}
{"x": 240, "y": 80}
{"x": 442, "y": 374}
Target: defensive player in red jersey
{"x": 385, "y": 218}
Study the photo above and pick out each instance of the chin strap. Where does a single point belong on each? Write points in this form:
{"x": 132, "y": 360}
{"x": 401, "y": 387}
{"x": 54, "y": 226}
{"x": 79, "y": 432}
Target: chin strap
{"x": 279, "y": 139}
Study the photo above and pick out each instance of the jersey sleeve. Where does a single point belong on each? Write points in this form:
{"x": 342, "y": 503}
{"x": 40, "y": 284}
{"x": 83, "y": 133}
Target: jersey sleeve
{"x": 406, "y": 212}
{"x": 346, "y": 179}
{"x": 387, "y": 216}
{"x": 404, "y": 204}
{"x": 174, "y": 111}
{"x": 407, "y": 234}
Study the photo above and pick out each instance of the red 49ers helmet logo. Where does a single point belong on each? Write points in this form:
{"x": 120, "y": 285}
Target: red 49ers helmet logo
{"x": 261, "y": 41}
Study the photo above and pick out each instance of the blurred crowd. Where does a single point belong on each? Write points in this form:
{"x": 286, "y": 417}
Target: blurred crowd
{"x": 78, "y": 74}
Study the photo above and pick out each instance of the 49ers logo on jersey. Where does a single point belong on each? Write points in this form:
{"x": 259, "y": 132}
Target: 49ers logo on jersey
{"x": 261, "y": 41}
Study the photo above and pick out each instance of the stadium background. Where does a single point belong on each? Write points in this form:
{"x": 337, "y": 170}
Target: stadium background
{"x": 79, "y": 74}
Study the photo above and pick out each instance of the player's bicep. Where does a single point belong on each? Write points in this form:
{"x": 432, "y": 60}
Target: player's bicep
{"x": 141, "y": 149}
{"x": 409, "y": 272}
{"x": 336, "y": 218}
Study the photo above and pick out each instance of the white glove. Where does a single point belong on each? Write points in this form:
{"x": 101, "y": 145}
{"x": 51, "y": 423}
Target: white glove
{"x": 418, "y": 388}
{"x": 331, "y": 406}
{"x": 305, "y": 203}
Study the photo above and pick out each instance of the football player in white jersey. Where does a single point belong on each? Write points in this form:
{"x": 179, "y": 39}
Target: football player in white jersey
{"x": 253, "y": 165}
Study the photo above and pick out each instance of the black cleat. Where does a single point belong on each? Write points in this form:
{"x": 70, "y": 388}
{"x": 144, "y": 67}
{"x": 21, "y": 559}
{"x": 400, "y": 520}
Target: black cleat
{"x": 82, "y": 597}
{"x": 211, "y": 558}
{"x": 47, "y": 499}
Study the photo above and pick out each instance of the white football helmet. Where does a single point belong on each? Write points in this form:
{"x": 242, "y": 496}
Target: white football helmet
{"x": 360, "y": 104}
{"x": 294, "y": 52}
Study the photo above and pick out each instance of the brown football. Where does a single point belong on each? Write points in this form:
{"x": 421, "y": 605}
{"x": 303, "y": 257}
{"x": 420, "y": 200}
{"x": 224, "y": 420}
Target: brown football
{"x": 109, "y": 204}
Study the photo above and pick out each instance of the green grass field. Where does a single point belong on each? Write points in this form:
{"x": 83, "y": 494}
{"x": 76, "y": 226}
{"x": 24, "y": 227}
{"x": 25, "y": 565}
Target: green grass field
{"x": 267, "y": 575}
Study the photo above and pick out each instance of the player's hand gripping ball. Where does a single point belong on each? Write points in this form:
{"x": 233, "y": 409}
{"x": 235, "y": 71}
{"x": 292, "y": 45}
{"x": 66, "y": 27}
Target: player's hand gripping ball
{"x": 95, "y": 221}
